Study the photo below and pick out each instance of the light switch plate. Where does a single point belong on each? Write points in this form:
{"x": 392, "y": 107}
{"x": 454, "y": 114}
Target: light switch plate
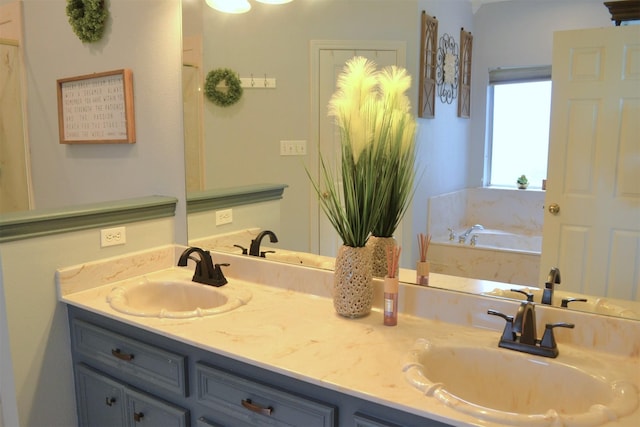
{"x": 293, "y": 148}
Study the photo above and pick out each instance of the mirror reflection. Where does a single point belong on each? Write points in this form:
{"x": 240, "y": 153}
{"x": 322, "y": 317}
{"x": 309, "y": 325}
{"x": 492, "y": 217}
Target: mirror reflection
{"x": 493, "y": 234}
{"x": 15, "y": 176}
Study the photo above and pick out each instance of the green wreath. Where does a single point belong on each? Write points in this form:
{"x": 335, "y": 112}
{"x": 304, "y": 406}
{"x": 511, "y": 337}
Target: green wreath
{"x": 87, "y": 18}
{"x": 223, "y": 98}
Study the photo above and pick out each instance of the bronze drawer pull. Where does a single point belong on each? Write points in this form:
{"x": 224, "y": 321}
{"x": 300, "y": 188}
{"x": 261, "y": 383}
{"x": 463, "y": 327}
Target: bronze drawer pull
{"x": 122, "y": 356}
{"x": 256, "y": 408}
{"x": 137, "y": 416}
{"x": 110, "y": 401}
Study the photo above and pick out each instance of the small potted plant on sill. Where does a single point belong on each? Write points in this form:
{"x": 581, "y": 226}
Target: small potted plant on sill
{"x": 523, "y": 182}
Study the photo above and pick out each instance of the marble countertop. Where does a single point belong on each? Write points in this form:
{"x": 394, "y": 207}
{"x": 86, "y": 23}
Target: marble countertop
{"x": 290, "y": 327}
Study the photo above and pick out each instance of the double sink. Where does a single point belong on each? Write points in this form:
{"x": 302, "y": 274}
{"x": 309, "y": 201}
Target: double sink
{"x": 485, "y": 382}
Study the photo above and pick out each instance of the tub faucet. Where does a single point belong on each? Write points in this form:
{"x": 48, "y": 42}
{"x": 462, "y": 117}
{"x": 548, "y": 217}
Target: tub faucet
{"x": 463, "y": 237}
{"x": 552, "y": 279}
{"x": 254, "y": 249}
{"x": 452, "y": 235}
{"x": 520, "y": 333}
{"x": 206, "y": 272}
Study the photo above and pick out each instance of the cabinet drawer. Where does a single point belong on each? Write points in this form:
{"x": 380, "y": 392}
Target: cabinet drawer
{"x": 362, "y": 420}
{"x": 152, "y": 365}
{"x": 256, "y": 404}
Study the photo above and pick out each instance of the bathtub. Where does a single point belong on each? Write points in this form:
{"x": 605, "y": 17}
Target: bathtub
{"x": 504, "y": 240}
{"x": 498, "y": 255}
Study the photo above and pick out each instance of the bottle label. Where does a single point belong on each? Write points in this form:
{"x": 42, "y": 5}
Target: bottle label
{"x": 388, "y": 306}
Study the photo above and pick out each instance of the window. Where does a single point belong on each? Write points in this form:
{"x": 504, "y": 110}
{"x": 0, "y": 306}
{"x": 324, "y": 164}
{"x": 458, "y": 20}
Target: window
{"x": 518, "y": 132}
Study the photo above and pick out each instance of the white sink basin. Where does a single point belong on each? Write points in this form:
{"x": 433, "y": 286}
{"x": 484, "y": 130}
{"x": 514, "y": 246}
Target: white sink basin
{"x": 513, "y": 388}
{"x": 175, "y": 299}
{"x": 593, "y": 304}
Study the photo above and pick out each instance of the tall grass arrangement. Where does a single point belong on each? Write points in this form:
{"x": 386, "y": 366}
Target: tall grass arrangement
{"x": 377, "y": 149}
{"x": 400, "y": 151}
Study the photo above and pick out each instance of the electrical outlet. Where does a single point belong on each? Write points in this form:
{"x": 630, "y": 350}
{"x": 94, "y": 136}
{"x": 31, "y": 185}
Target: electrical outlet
{"x": 113, "y": 236}
{"x": 224, "y": 216}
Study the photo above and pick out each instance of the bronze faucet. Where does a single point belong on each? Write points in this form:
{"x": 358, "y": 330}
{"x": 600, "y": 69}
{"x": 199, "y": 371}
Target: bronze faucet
{"x": 520, "y": 333}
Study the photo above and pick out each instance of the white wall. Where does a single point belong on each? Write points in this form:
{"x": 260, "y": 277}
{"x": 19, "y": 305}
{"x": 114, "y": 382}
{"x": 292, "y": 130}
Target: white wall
{"x": 518, "y": 33}
{"x": 142, "y": 35}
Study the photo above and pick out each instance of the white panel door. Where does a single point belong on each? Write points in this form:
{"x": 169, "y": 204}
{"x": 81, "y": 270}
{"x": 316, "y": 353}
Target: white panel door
{"x": 15, "y": 176}
{"x": 331, "y": 64}
{"x": 594, "y": 163}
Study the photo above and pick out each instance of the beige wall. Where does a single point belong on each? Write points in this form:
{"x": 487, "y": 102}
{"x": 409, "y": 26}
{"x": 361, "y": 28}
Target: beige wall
{"x": 36, "y": 382}
{"x": 142, "y": 35}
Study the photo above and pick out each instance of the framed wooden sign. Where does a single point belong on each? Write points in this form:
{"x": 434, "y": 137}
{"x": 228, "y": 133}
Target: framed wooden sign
{"x": 428, "y": 60}
{"x": 464, "y": 88}
{"x": 97, "y": 108}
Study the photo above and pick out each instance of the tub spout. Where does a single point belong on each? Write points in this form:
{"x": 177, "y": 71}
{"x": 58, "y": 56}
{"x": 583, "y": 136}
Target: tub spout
{"x": 463, "y": 237}
{"x": 471, "y": 229}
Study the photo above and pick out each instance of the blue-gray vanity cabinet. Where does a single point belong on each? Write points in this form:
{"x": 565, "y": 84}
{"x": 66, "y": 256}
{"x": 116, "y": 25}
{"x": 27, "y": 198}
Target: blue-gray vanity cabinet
{"x": 211, "y": 387}
{"x": 105, "y": 401}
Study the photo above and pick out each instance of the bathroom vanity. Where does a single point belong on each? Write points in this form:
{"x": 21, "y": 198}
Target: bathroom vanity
{"x": 125, "y": 375}
{"x": 285, "y": 358}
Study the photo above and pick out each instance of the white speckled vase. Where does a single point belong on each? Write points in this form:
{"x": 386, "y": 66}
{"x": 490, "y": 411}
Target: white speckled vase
{"x": 379, "y": 246}
{"x": 352, "y": 282}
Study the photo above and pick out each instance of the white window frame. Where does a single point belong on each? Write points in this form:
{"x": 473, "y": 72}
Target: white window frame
{"x": 504, "y": 75}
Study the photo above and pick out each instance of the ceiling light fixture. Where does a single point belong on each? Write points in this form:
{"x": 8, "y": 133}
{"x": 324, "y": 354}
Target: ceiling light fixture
{"x": 238, "y": 6}
{"x": 274, "y": 1}
{"x": 229, "y": 6}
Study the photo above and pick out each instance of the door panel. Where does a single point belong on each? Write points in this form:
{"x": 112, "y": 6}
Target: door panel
{"x": 594, "y": 163}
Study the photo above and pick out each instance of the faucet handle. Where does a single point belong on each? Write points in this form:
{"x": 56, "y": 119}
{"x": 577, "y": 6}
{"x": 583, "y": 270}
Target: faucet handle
{"x": 529, "y": 295}
{"x": 242, "y": 248}
{"x": 548, "y": 340}
{"x": 566, "y": 301}
{"x": 507, "y": 334}
{"x": 218, "y": 278}
{"x": 264, "y": 253}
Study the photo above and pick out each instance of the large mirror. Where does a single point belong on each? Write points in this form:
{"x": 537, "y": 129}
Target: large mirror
{"x": 240, "y": 145}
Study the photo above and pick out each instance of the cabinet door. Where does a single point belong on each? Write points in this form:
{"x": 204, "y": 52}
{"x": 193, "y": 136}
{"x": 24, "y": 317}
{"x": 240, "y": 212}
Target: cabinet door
{"x": 100, "y": 398}
{"x": 145, "y": 410}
